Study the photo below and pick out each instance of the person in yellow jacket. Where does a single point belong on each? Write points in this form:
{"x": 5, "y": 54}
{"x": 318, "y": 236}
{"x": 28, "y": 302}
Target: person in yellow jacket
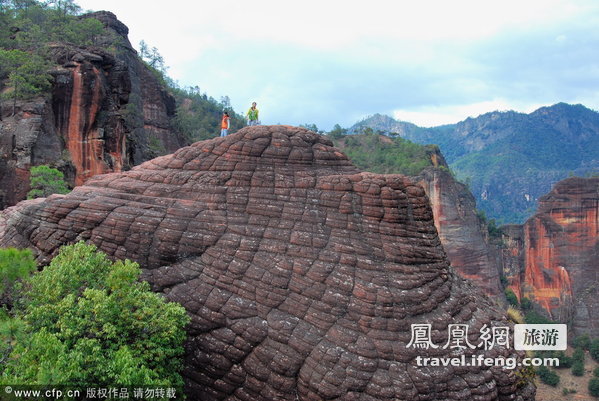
{"x": 252, "y": 115}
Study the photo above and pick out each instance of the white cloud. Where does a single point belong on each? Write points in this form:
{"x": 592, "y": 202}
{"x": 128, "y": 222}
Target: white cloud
{"x": 326, "y": 62}
{"x": 435, "y": 115}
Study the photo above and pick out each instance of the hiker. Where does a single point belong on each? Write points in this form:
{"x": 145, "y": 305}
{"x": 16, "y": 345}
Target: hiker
{"x": 224, "y": 124}
{"x": 252, "y": 115}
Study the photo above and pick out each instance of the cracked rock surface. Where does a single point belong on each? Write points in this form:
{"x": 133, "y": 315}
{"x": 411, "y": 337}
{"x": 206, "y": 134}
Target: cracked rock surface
{"x": 301, "y": 274}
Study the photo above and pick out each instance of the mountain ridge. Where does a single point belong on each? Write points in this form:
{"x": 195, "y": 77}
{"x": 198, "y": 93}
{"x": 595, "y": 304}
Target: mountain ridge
{"x": 501, "y": 147}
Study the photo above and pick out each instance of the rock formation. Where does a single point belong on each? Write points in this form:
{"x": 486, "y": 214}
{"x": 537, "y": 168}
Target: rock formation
{"x": 553, "y": 259}
{"x": 463, "y": 235}
{"x": 104, "y": 114}
{"x": 301, "y": 274}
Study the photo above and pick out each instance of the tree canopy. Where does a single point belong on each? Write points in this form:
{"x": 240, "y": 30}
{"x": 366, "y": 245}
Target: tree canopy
{"x": 86, "y": 320}
{"x": 45, "y": 181}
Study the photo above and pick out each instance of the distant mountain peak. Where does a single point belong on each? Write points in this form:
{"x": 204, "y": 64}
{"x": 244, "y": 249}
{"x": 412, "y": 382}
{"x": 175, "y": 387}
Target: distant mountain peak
{"x": 529, "y": 151}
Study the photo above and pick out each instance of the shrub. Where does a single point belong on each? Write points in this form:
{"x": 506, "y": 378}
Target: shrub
{"x": 578, "y": 368}
{"x": 90, "y": 321}
{"x": 583, "y": 342}
{"x": 511, "y": 297}
{"x": 15, "y": 265}
{"x": 525, "y": 303}
{"x": 515, "y": 315}
{"x": 594, "y": 386}
{"x": 594, "y": 349}
{"x": 565, "y": 361}
{"x": 548, "y": 376}
{"x": 578, "y": 355}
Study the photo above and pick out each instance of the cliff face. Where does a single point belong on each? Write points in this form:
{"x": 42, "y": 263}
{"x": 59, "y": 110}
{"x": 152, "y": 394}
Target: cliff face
{"x": 463, "y": 235}
{"x": 301, "y": 274}
{"x": 554, "y": 258}
{"x": 106, "y": 113}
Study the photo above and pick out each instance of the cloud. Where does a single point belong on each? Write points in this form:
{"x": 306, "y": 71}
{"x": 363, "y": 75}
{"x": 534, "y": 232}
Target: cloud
{"x": 328, "y": 62}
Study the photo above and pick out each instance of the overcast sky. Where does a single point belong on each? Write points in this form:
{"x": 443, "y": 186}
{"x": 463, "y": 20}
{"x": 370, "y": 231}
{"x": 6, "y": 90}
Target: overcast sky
{"x": 331, "y": 61}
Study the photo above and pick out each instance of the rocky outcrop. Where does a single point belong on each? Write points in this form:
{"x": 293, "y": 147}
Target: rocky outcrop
{"x": 463, "y": 235}
{"x": 301, "y": 274}
{"x": 554, "y": 258}
{"x": 106, "y": 113}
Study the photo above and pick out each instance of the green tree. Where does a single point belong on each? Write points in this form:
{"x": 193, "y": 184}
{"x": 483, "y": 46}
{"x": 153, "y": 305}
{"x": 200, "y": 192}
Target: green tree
{"x": 83, "y": 32}
{"x": 64, "y": 8}
{"x": 15, "y": 265}
{"x": 144, "y": 51}
{"x": 91, "y": 321}
{"x": 594, "y": 386}
{"x": 27, "y": 74}
{"x": 532, "y": 317}
{"x": 45, "y": 181}
{"x": 311, "y": 127}
{"x": 337, "y": 132}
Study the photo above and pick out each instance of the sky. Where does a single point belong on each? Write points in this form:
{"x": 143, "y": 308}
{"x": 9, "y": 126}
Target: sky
{"x": 329, "y": 62}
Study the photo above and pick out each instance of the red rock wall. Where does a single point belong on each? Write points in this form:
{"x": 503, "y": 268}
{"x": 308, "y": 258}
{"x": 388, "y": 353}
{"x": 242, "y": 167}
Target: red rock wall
{"x": 461, "y": 232}
{"x": 82, "y": 138}
{"x": 559, "y": 254}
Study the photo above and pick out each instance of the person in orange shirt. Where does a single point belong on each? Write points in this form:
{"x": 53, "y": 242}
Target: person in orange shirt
{"x": 224, "y": 124}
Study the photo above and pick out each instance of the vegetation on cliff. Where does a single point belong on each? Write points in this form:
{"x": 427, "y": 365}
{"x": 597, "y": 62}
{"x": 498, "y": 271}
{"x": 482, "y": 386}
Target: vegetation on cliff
{"x": 86, "y": 320}
{"x": 45, "y": 181}
{"x": 377, "y": 153}
{"x": 26, "y": 30}
{"x": 198, "y": 115}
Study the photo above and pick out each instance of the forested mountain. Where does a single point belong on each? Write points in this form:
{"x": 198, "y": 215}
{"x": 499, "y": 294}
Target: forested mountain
{"x": 76, "y": 96}
{"x": 510, "y": 159}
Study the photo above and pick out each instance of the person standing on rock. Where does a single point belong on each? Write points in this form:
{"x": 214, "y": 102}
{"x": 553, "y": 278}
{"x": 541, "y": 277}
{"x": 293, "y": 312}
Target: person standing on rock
{"x": 252, "y": 115}
{"x": 225, "y": 124}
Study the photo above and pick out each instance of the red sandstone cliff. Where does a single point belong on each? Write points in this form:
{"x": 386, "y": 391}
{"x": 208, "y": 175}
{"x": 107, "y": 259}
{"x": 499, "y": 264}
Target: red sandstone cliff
{"x": 553, "y": 259}
{"x": 104, "y": 111}
{"x": 463, "y": 235}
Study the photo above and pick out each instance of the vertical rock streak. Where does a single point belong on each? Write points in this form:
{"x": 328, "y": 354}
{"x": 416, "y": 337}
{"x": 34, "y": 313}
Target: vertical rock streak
{"x": 82, "y": 137}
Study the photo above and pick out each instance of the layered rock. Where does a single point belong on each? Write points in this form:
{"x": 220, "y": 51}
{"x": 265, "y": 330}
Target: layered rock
{"x": 554, "y": 258}
{"x": 107, "y": 112}
{"x": 301, "y": 274}
{"x": 463, "y": 235}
